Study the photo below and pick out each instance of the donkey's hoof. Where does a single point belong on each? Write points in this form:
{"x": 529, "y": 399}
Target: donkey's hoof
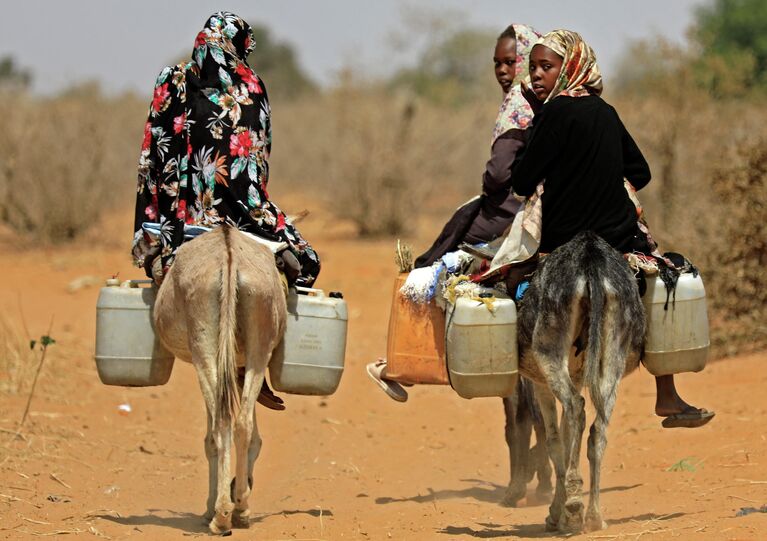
{"x": 217, "y": 529}
{"x": 544, "y": 493}
{"x": 571, "y": 520}
{"x": 221, "y": 523}
{"x": 594, "y": 522}
{"x": 552, "y": 524}
{"x": 241, "y": 519}
{"x": 513, "y": 495}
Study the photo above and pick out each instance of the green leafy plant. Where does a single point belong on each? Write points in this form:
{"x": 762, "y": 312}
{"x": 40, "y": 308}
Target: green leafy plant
{"x": 685, "y": 464}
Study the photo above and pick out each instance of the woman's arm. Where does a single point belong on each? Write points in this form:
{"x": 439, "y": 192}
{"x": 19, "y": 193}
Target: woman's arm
{"x": 542, "y": 148}
{"x": 497, "y": 176}
{"x": 162, "y": 168}
{"x": 635, "y": 168}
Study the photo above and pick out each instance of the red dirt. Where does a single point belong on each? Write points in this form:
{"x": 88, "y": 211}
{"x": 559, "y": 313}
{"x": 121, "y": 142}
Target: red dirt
{"x": 355, "y": 465}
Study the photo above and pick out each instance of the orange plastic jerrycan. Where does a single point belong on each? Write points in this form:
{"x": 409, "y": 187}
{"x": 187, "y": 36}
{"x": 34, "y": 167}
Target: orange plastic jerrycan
{"x": 415, "y": 349}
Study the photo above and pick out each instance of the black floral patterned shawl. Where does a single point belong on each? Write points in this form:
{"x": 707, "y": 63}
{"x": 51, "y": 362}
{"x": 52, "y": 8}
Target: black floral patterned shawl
{"x": 204, "y": 158}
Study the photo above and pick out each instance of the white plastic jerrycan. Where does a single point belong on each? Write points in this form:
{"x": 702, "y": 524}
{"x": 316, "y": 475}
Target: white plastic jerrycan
{"x": 481, "y": 347}
{"x": 310, "y": 358}
{"x": 677, "y": 337}
{"x": 128, "y": 352}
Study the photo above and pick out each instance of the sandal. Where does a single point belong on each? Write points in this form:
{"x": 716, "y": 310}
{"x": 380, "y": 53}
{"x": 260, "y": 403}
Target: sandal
{"x": 691, "y": 417}
{"x": 393, "y": 389}
{"x": 267, "y": 398}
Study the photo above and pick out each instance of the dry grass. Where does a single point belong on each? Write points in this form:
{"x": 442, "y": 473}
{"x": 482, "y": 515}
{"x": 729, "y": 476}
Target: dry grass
{"x": 378, "y": 157}
{"x": 17, "y": 360}
{"x": 65, "y": 161}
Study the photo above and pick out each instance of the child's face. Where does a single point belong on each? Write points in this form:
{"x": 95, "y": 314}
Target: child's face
{"x": 505, "y": 61}
{"x": 545, "y": 66}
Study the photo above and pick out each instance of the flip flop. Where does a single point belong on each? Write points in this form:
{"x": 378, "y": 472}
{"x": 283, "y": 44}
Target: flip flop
{"x": 690, "y": 418}
{"x": 267, "y": 398}
{"x": 393, "y": 389}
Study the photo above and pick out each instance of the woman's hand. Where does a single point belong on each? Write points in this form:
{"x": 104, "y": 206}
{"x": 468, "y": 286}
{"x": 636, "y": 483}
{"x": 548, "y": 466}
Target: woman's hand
{"x": 532, "y": 99}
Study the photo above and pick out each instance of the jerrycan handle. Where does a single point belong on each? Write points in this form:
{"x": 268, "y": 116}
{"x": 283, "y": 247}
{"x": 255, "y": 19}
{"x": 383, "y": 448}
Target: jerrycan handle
{"x": 136, "y": 283}
{"x": 310, "y": 291}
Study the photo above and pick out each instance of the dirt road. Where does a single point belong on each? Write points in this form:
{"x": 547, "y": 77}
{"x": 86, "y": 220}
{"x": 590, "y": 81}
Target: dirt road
{"x": 355, "y": 465}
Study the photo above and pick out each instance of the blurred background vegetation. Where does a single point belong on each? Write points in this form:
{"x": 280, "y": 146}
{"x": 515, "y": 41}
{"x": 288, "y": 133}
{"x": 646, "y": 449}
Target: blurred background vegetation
{"x": 381, "y": 153}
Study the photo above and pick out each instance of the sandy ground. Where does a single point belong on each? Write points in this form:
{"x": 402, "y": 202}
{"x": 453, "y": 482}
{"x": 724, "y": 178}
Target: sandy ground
{"x": 355, "y": 465}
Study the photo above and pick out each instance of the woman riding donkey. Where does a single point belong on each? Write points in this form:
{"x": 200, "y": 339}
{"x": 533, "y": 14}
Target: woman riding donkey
{"x": 482, "y": 220}
{"x": 486, "y": 217}
{"x": 204, "y": 158}
{"x": 582, "y": 150}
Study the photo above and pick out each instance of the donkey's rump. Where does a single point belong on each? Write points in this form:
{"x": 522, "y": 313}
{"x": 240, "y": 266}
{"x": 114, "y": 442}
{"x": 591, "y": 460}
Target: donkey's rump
{"x": 198, "y": 289}
{"x": 583, "y": 283}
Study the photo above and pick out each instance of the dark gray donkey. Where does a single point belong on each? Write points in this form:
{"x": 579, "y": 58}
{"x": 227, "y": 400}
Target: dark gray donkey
{"x": 522, "y": 416}
{"x": 583, "y": 294}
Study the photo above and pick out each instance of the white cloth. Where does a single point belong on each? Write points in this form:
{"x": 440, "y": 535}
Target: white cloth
{"x": 421, "y": 284}
{"x": 192, "y": 231}
{"x": 524, "y": 237}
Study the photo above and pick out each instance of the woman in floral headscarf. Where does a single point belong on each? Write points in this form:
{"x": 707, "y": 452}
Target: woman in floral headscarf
{"x": 485, "y": 218}
{"x": 579, "y": 145}
{"x": 205, "y": 150}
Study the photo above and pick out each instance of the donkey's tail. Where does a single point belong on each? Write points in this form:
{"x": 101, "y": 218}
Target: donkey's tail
{"x": 226, "y": 363}
{"x": 593, "y": 365}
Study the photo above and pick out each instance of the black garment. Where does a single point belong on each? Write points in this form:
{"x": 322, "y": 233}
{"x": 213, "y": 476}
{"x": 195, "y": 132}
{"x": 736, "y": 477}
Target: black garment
{"x": 452, "y": 234}
{"x": 487, "y": 217}
{"x": 583, "y": 151}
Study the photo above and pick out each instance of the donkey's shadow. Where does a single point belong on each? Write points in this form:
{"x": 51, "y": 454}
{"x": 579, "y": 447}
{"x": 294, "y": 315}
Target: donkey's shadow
{"x": 192, "y": 523}
{"x": 538, "y": 531}
{"x": 482, "y": 491}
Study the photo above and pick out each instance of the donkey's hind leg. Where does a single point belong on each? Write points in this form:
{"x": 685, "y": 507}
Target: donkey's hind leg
{"x": 603, "y": 396}
{"x": 518, "y": 432}
{"x": 548, "y": 406}
{"x": 572, "y": 427}
{"x": 202, "y": 350}
{"x": 213, "y": 448}
{"x": 244, "y": 435}
{"x": 539, "y": 455}
{"x": 203, "y": 346}
{"x": 259, "y": 332}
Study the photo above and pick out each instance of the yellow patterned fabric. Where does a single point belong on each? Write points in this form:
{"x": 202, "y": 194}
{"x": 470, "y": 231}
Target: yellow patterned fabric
{"x": 580, "y": 75}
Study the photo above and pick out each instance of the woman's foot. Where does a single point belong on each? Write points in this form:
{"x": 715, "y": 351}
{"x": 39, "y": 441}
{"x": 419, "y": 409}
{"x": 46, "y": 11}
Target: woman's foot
{"x": 267, "y": 398}
{"x": 376, "y": 372}
{"x": 676, "y": 411}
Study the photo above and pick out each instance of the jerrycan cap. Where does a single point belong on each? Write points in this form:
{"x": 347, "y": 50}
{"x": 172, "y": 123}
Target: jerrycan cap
{"x": 113, "y": 282}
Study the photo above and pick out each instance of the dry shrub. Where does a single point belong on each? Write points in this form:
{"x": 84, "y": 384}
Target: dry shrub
{"x": 17, "y": 360}
{"x": 375, "y": 156}
{"x": 706, "y": 201}
{"x": 739, "y": 280}
{"x": 378, "y": 157}
{"x": 64, "y": 161}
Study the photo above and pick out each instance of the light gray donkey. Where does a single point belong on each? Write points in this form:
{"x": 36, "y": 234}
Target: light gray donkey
{"x": 584, "y": 294}
{"x": 221, "y": 307}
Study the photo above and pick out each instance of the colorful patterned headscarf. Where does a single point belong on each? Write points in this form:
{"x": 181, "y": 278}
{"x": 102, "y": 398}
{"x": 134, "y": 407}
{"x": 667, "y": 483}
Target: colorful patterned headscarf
{"x": 515, "y": 111}
{"x": 204, "y": 158}
{"x": 580, "y": 74}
